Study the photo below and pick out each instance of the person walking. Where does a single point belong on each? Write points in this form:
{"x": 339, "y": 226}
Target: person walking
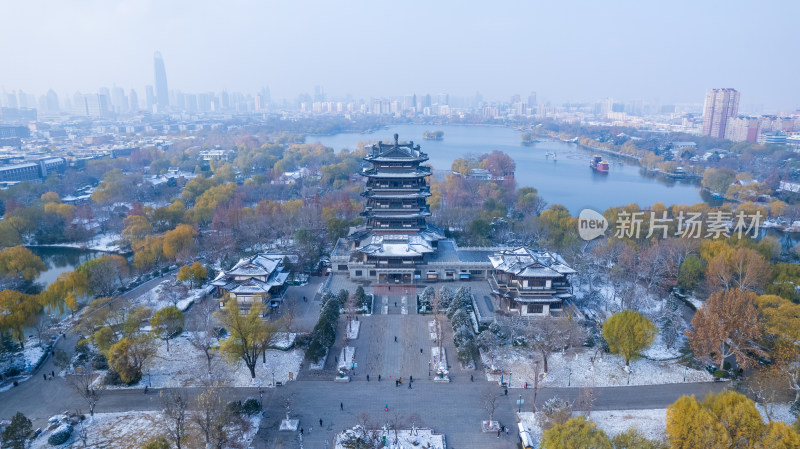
{"x": 341, "y": 407}
{"x": 498, "y": 433}
{"x": 367, "y": 377}
{"x": 471, "y": 378}
{"x": 410, "y": 379}
{"x": 379, "y": 377}
{"x": 301, "y": 431}
{"x": 395, "y": 338}
{"x": 320, "y": 422}
{"x": 45, "y": 376}
{"x": 409, "y": 385}
{"x": 386, "y": 407}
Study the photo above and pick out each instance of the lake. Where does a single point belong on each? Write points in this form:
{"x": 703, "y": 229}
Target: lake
{"x": 60, "y": 260}
{"x": 567, "y": 180}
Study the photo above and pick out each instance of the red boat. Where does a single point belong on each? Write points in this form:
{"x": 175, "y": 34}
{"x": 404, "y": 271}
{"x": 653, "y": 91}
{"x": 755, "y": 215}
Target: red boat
{"x": 599, "y": 165}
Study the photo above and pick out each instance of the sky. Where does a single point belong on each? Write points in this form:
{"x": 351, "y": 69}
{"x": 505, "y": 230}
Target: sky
{"x": 566, "y": 50}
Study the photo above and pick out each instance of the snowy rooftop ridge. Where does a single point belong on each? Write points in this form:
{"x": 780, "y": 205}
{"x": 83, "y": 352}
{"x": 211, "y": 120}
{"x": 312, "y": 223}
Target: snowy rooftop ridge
{"x": 525, "y": 262}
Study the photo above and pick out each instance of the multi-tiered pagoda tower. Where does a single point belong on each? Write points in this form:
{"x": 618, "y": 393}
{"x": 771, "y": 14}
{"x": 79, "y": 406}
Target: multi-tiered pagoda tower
{"x": 395, "y": 238}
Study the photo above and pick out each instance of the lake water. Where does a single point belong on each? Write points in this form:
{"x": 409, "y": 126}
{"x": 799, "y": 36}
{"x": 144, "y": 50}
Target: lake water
{"x": 567, "y": 180}
{"x": 60, "y": 260}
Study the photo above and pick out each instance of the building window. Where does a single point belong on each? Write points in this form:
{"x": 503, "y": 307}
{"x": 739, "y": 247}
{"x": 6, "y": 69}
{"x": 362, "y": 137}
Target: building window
{"x": 555, "y": 306}
{"x": 342, "y": 267}
{"x": 535, "y": 308}
{"x": 358, "y": 273}
{"x": 372, "y": 273}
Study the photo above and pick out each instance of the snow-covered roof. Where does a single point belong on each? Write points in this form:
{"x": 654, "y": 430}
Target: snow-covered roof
{"x": 525, "y": 262}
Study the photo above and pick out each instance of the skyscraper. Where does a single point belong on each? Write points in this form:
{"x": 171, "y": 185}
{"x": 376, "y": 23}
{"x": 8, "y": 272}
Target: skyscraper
{"x": 162, "y": 92}
{"x": 720, "y": 105}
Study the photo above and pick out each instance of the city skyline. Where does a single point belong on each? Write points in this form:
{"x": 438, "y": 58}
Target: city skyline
{"x": 565, "y": 54}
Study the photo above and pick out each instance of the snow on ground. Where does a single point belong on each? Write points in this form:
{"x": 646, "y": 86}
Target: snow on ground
{"x": 651, "y": 423}
{"x": 155, "y": 300}
{"x": 352, "y": 329}
{"x": 102, "y": 242}
{"x": 658, "y": 350}
{"x": 321, "y": 364}
{"x": 283, "y": 340}
{"x": 346, "y": 358}
{"x": 128, "y": 430}
{"x": 422, "y": 438}
{"x": 608, "y": 370}
{"x": 780, "y": 412}
{"x": 186, "y": 366}
{"x": 25, "y": 359}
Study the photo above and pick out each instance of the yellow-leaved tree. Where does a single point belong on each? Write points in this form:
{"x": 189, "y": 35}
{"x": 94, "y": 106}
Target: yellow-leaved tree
{"x": 628, "y": 333}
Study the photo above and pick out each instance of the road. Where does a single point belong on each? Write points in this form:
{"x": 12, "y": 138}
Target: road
{"x": 454, "y": 409}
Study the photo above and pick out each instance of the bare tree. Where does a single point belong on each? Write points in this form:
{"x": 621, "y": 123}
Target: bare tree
{"x": 205, "y": 337}
{"x": 554, "y": 334}
{"x": 766, "y": 385}
{"x": 489, "y": 398}
{"x": 211, "y": 416}
{"x": 83, "y": 381}
{"x": 585, "y": 400}
{"x": 82, "y": 429}
{"x": 174, "y": 292}
{"x": 396, "y": 422}
{"x": 175, "y": 411}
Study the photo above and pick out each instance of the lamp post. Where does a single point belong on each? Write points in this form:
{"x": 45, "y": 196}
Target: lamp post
{"x": 519, "y": 404}
{"x": 273, "y": 378}
{"x": 149, "y": 382}
{"x": 569, "y": 379}
{"x": 684, "y": 374}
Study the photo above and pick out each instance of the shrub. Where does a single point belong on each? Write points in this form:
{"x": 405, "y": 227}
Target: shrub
{"x": 157, "y": 443}
{"x": 234, "y": 408}
{"x": 720, "y": 374}
{"x": 251, "y": 406}
{"x": 113, "y": 378}
{"x": 60, "y": 436}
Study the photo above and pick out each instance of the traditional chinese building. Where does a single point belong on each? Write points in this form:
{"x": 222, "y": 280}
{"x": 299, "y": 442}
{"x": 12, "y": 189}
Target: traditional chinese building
{"x": 258, "y": 278}
{"x": 395, "y": 239}
{"x": 530, "y": 282}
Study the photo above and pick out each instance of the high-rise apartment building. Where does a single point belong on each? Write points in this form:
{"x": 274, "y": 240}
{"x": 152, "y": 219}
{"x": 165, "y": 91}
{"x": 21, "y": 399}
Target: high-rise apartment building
{"x": 720, "y": 105}
{"x": 162, "y": 92}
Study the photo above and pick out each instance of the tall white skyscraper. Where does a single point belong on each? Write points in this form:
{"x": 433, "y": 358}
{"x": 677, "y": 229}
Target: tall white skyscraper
{"x": 162, "y": 91}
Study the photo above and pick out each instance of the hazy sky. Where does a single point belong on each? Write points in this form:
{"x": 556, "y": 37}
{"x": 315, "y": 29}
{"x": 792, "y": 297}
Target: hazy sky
{"x": 564, "y": 50}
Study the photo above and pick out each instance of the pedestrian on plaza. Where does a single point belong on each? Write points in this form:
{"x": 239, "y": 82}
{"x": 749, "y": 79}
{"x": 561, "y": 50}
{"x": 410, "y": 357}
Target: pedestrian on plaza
{"x": 395, "y": 338}
{"x": 367, "y": 377}
{"x": 145, "y": 389}
{"x": 526, "y": 385}
{"x": 301, "y": 431}
{"x": 498, "y": 433}
{"x": 409, "y": 385}
{"x": 505, "y": 391}
{"x": 506, "y": 431}
{"x": 410, "y": 379}
{"x": 336, "y": 358}
{"x": 341, "y": 406}
{"x": 52, "y": 374}
{"x": 471, "y": 378}
{"x": 379, "y": 377}
{"x": 45, "y": 376}
{"x": 395, "y": 303}
{"x": 395, "y": 383}
{"x": 420, "y": 350}
{"x": 320, "y": 422}
{"x": 386, "y": 407}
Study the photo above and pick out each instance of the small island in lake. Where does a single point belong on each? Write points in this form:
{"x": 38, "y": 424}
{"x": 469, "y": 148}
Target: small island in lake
{"x": 528, "y": 139}
{"x": 433, "y": 135}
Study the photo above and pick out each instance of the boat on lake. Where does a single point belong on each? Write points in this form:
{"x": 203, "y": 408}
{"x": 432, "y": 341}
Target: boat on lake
{"x": 598, "y": 164}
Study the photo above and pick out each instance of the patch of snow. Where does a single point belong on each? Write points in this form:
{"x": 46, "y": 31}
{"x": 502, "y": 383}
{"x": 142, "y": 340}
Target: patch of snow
{"x": 352, "y": 329}
{"x": 283, "y": 340}
{"x": 652, "y": 423}
{"x": 186, "y": 366}
{"x": 780, "y": 412}
{"x": 607, "y": 369}
{"x": 406, "y": 438}
{"x": 108, "y": 243}
{"x": 346, "y": 358}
